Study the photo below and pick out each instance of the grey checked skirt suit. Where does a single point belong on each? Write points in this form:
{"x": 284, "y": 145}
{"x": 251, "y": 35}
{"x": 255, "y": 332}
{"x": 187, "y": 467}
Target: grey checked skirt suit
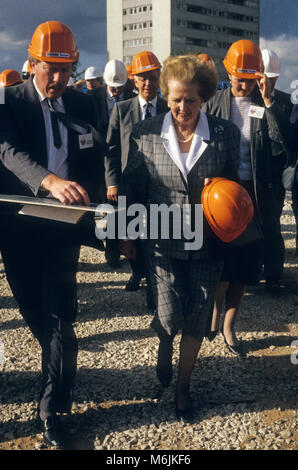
{"x": 183, "y": 281}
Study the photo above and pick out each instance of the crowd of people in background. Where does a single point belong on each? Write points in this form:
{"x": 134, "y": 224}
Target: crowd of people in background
{"x": 160, "y": 134}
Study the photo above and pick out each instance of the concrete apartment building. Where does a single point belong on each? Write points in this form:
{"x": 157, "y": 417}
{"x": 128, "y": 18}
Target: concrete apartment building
{"x": 173, "y": 26}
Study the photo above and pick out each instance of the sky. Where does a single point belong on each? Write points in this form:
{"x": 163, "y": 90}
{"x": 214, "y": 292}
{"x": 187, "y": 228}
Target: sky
{"x": 87, "y": 19}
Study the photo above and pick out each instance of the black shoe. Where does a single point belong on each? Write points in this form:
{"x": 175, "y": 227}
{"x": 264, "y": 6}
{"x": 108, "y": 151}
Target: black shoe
{"x": 236, "y": 349}
{"x": 186, "y": 415}
{"x": 212, "y": 335}
{"x": 133, "y": 283}
{"x": 52, "y": 432}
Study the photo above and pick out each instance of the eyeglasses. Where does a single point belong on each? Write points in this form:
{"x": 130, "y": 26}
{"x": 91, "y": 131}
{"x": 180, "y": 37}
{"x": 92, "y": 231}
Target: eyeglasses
{"x": 150, "y": 78}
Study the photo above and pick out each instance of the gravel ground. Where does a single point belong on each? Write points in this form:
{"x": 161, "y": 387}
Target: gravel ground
{"x": 242, "y": 404}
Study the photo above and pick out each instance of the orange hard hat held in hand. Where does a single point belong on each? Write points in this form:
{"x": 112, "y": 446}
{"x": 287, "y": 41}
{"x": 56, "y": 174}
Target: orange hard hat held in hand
{"x": 227, "y": 207}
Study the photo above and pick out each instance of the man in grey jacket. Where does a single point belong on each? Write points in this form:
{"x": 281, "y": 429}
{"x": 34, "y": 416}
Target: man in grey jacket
{"x": 125, "y": 115}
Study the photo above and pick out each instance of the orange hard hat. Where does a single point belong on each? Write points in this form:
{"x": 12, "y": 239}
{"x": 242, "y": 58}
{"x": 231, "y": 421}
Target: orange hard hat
{"x": 204, "y": 58}
{"x": 53, "y": 41}
{"x": 144, "y": 62}
{"x": 129, "y": 69}
{"x": 10, "y": 77}
{"x": 227, "y": 207}
{"x": 244, "y": 59}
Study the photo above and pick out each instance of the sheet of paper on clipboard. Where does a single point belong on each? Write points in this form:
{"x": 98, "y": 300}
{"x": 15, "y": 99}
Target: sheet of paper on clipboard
{"x": 52, "y": 209}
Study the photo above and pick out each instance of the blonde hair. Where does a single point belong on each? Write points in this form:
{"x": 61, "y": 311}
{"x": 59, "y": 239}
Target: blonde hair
{"x": 189, "y": 69}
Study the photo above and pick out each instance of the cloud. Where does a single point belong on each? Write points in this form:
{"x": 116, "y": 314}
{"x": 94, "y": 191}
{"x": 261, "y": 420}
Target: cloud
{"x": 286, "y": 47}
{"x": 278, "y": 18}
{"x": 9, "y": 43}
{"x": 19, "y": 18}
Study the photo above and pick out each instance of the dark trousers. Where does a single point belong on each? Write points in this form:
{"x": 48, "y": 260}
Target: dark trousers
{"x": 139, "y": 265}
{"x": 41, "y": 264}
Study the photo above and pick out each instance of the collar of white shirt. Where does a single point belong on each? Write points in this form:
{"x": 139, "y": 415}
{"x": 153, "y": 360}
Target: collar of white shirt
{"x": 42, "y": 97}
{"x": 198, "y": 145}
{"x": 144, "y": 102}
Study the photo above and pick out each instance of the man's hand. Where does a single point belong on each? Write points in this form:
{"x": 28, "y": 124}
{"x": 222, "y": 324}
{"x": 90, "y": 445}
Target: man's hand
{"x": 265, "y": 88}
{"x": 128, "y": 249}
{"x": 67, "y": 192}
{"x": 112, "y": 193}
{"x": 79, "y": 84}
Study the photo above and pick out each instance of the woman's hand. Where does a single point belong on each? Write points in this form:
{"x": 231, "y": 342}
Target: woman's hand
{"x": 207, "y": 181}
{"x": 112, "y": 193}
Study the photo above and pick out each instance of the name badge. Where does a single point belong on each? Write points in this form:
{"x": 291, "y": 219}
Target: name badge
{"x": 256, "y": 112}
{"x": 85, "y": 141}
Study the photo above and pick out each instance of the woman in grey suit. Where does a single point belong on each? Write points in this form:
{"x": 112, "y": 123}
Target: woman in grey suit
{"x": 173, "y": 155}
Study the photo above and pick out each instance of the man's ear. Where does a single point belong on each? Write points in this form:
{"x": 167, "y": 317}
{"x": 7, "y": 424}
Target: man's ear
{"x": 32, "y": 65}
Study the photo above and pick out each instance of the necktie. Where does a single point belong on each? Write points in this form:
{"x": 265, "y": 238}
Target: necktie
{"x": 147, "y": 111}
{"x": 55, "y": 125}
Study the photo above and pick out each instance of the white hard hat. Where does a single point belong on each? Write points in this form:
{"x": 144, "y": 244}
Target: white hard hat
{"x": 271, "y": 63}
{"x": 115, "y": 73}
{"x": 25, "y": 67}
{"x": 92, "y": 72}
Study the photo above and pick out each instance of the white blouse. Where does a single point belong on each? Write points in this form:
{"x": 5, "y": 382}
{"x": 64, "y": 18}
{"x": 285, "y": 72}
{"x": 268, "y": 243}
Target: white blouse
{"x": 185, "y": 162}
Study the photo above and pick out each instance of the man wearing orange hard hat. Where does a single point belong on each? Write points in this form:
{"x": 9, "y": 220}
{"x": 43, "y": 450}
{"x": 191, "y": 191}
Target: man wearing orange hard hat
{"x": 125, "y": 115}
{"x": 45, "y": 152}
{"x": 249, "y": 104}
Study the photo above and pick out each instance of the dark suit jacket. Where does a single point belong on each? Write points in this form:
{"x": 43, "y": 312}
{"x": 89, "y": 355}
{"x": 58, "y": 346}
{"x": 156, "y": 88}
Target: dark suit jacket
{"x": 123, "y": 118}
{"x": 99, "y": 96}
{"x": 153, "y": 178}
{"x": 23, "y": 150}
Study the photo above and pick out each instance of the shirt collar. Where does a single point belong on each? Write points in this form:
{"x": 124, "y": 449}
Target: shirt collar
{"x": 42, "y": 97}
{"x": 144, "y": 102}
{"x": 201, "y": 131}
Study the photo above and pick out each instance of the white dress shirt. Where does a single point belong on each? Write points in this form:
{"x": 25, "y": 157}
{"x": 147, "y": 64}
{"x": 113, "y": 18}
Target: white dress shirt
{"x": 57, "y": 163}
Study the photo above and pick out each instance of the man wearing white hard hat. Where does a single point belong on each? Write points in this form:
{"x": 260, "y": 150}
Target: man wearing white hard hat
{"x": 281, "y": 157}
{"x": 93, "y": 78}
{"x": 115, "y": 89}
